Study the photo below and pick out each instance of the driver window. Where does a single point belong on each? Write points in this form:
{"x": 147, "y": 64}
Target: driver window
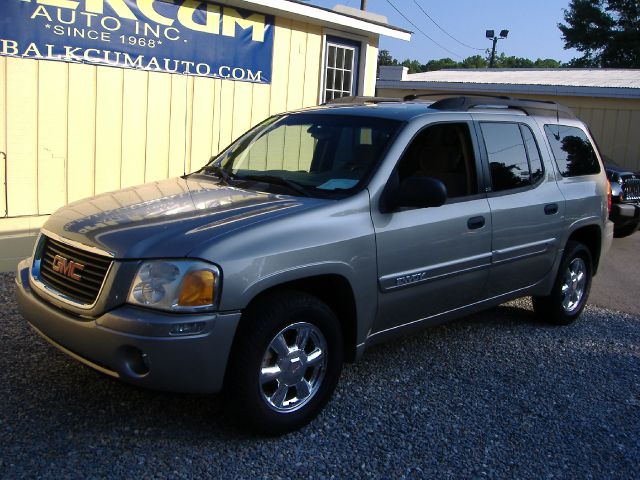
{"x": 445, "y": 152}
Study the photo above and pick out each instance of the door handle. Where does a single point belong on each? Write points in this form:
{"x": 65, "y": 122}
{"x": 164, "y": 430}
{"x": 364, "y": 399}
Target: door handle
{"x": 551, "y": 209}
{"x": 475, "y": 222}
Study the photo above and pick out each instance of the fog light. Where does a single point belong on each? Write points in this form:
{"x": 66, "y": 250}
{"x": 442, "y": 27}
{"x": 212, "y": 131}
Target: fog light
{"x": 187, "y": 328}
{"x": 136, "y": 360}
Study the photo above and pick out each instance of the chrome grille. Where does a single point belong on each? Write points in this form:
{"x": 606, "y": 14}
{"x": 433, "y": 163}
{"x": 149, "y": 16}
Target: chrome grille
{"x": 86, "y": 288}
{"x": 631, "y": 189}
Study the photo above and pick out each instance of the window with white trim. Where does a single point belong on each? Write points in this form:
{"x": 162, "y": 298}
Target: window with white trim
{"x": 341, "y": 68}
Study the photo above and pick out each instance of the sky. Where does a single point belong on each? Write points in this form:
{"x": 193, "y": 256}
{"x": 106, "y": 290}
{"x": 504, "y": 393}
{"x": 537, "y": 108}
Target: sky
{"x": 532, "y": 25}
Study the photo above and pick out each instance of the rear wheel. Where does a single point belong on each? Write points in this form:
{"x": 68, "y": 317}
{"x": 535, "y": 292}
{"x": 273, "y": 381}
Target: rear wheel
{"x": 286, "y": 362}
{"x": 571, "y": 289}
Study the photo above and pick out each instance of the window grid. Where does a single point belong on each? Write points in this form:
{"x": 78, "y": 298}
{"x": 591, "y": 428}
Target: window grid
{"x": 339, "y": 71}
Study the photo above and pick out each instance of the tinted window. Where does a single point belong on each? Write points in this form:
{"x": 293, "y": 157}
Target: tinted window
{"x": 535, "y": 161}
{"x": 507, "y": 156}
{"x": 443, "y": 151}
{"x": 572, "y": 150}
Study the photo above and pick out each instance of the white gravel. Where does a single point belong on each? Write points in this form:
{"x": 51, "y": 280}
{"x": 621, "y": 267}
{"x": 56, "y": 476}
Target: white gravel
{"x": 494, "y": 395}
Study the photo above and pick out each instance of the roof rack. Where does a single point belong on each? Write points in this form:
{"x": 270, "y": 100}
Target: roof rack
{"x": 361, "y": 100}
{"x": 530, "y": 107}
{"x": 455, "y": 101}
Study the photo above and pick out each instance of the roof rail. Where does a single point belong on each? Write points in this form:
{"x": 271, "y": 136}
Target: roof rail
{"x": 530, "y": 107}
{"x": 361, "y": 100}
{"x": 416, "y": 96}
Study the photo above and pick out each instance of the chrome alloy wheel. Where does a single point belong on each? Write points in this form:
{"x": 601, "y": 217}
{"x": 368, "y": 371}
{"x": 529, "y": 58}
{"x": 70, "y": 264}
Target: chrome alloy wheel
{"x": 574, "y": 284}
{"x": 293, "y": 367}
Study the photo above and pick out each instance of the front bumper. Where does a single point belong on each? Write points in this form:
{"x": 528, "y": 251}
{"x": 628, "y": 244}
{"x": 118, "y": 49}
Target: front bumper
{"x": 132, "y": 344}
{"x": 623, "y": 214}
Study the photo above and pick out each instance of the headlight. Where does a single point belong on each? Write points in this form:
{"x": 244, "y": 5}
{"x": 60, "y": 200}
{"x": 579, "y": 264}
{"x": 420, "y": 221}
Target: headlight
{"x": 176, "y": 285}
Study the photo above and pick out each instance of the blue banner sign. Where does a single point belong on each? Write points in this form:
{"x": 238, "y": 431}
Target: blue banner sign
{"x": 190, "y": 37}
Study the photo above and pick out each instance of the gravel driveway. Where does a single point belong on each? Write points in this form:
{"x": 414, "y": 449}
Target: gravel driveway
{"x": 493, "y": 395}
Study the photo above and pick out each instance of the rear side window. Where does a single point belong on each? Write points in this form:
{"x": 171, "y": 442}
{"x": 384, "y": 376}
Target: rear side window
{"x": 572, "y": 150}
{"x": 507, "y": 156}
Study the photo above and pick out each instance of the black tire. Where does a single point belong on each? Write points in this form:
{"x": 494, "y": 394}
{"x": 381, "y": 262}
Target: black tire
{"x": 625, "y": 231}
{"x": 248, "y": 396}
{"x": 550, "y": 308}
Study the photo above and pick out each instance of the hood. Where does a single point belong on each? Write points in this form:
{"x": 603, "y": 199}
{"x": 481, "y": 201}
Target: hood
{"x": 168, "y": 218}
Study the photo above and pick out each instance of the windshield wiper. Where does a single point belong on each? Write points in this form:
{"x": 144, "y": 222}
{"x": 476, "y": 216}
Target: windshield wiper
{"x": 219, "y": 171}
{"x": 291, "y": 185}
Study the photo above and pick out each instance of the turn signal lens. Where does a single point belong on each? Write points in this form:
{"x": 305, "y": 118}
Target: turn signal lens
{"x": 609, "y": 197}
{"x": 198, "y": 289}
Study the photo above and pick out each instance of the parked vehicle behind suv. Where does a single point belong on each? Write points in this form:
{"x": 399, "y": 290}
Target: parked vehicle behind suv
{"x": 625, "y": 194}
{"x": 316, "y": 235}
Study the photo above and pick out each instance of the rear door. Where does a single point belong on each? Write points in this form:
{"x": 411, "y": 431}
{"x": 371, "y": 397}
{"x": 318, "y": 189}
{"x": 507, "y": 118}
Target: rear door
{"x": 527, "y": 207}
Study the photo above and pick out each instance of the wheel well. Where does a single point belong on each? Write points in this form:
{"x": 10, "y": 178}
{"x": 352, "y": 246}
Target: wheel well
{"x": 591, "y": 237}
{"x": 336, "y": 292}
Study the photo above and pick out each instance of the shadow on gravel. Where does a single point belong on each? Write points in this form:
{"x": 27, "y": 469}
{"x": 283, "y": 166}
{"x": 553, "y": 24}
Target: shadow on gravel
{"x": 99, "y": 404}
{"x": 96, "y": 402}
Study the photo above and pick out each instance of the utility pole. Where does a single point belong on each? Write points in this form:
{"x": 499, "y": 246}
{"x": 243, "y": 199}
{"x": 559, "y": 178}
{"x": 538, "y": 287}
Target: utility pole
{"x": 491, "y": 35}
{"x": 492, "y": 62}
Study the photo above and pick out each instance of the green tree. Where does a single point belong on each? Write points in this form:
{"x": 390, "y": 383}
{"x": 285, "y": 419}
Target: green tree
{"x": 414, "y": 66}
{"x": 432, "y": 65}
{"x": 607, "y": 32}
{"x": 502, "y": 61}
{"x": 476, "y": 61}
{"x": 547, "y": 63}
{"x": 385, "y": 58}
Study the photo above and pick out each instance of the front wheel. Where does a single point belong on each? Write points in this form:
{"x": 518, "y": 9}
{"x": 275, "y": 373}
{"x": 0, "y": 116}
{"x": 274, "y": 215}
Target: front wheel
{"x": 285, "y": 363}
{"x": 571, "y": 289}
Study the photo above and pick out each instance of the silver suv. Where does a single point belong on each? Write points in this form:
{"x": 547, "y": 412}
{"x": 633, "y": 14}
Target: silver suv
{"x": 316, "y": 235}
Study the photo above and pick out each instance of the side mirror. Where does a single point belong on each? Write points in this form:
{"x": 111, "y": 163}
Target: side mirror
{"x": 419, "y": 192}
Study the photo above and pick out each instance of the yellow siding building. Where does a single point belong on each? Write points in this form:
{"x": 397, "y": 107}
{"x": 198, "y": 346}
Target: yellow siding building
{"x": 73, "y": 130}
{"x": 607, "y": 100}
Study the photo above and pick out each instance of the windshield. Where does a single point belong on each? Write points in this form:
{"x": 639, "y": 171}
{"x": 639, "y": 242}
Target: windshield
{"x": 307, "y": 154}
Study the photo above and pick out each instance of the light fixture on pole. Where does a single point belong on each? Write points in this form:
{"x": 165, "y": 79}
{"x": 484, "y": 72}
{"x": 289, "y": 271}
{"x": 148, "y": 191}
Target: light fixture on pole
{"x": 491, "y": 35}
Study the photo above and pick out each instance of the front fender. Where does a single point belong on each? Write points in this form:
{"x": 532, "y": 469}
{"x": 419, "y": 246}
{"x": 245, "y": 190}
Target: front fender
{"x": 300, "y": 272}
{"x": 363, "y": 287}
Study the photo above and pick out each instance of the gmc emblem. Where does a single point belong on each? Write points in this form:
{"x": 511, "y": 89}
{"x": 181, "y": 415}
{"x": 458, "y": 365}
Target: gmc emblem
{"x": 67, "y": 267}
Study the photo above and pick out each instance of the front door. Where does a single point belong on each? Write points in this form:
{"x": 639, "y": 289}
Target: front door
{"x": 433, "y": 260}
